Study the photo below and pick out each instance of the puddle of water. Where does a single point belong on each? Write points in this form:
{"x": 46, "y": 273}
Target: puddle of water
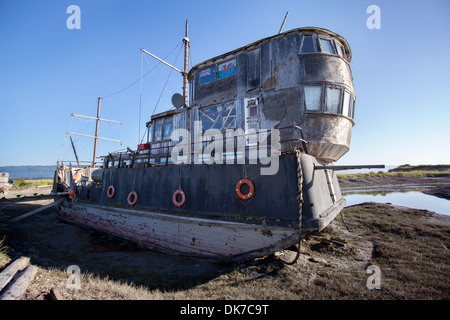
{"x": 411, "y": 199}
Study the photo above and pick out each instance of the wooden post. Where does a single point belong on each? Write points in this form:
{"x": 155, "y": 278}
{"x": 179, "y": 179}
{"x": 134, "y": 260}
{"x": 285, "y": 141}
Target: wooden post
{"x": 96, "y": 132}
{"x": 75, "y": 151}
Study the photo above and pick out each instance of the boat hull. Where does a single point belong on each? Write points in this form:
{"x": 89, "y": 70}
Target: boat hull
{"x": 213, "y": 223}
{"x": 221, "y": 241}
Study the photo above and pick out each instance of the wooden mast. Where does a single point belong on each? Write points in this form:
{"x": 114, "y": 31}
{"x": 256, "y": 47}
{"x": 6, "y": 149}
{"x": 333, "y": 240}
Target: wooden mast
{"x": 186, "y": 66}
{"x": 96, "y": 132}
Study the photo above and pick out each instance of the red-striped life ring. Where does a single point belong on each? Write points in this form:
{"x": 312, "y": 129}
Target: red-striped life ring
{"x": 183, "y": 198}
{"x": 111, "y": 192}
{"x": 132, "y": 198}
{"x": 251, "y": 191}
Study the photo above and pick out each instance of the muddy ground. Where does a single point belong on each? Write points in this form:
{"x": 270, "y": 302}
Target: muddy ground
{"x": 409, "y": 246}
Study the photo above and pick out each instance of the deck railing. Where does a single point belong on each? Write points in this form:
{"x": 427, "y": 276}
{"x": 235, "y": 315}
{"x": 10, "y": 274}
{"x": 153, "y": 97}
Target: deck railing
{"x": 239, "y": 146}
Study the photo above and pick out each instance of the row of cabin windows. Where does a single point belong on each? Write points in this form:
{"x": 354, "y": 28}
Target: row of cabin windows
{"x": 316, "y": 43}
{"x": 219, "y": 71}
{"x": 318, "y": 98}
{"x": 330, "y": 99}
{"x": 221, "y": 117}
{"x": 310, "y": 44}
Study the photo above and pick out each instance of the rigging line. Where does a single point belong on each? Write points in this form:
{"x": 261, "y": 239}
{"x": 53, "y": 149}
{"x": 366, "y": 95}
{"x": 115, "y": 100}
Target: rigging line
{"x": 111, "y": 126}
{"x": 168, "y": 77}
{"x": 156, "y": 76}
{"x": 65, "y": 140}
{"x": 140, "y": 96}
{"x": 133, "y": 83}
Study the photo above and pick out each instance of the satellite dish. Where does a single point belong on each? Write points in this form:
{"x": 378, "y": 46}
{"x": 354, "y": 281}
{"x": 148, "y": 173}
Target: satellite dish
{"x": 177, "y": 100}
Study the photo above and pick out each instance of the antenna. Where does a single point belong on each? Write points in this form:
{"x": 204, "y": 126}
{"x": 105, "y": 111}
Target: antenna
{"x": 282, "y": 25}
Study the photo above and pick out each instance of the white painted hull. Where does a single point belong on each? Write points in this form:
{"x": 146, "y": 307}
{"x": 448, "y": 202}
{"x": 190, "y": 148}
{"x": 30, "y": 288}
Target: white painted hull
{"x": 220, "y": 240}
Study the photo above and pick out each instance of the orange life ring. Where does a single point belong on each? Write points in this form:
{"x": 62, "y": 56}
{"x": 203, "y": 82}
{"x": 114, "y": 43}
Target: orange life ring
{"x": 183, "y": 198}
{"x": 111, "y": 192}
{"x": 134, "y": 195}
{"x": 250, "y": 186}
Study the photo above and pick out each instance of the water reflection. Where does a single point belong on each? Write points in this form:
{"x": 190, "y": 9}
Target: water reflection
{"x": 407, "y": 198}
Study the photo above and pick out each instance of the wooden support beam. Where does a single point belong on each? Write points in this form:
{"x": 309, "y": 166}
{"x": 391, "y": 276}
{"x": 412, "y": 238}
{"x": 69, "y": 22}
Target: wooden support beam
{"x": 8, "y": 273}
{"x": 17, "y": 287}
{"x": 26, "y": 215}
{"x": 55, "y": 295}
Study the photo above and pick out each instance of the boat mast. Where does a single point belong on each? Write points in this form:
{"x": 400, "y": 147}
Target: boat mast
{"x": 186, "y": 66}
{"x": 96, "y": 132}
{"x": 96, "y": 137}
{"x": 184, "y": 73}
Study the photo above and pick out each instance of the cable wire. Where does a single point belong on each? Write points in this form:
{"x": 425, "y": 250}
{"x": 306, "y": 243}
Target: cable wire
{"x": 139, "y": 79}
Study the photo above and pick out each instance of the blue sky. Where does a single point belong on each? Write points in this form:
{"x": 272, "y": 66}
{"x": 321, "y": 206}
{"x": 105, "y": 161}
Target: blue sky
{"x": 49, "y": 71}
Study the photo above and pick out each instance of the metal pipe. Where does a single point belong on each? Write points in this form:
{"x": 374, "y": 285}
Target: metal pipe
{"x": 86, "y": 135}
{"x": 282, "y": 26}
{"x": 75, "y": 151}
{"x": 350, "y": 167}
{"x": 152, "y": 55}
{"x": 77, "y": 115}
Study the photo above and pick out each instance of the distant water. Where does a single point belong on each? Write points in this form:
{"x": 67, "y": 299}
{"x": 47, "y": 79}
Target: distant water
{"x": 411, "y": 199}
{"x": 29, "y": 172}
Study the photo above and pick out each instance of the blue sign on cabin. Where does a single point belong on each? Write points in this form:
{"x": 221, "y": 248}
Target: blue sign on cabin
{"x": 207, "y": 75}
{"x": 227, "y": 69}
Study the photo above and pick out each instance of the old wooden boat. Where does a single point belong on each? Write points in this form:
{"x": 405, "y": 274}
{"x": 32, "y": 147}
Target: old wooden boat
{"x": 242, "y": 167}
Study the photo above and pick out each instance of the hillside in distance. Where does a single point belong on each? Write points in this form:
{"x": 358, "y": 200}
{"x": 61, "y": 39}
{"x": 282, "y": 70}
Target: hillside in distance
{"x": 29, "y": 172}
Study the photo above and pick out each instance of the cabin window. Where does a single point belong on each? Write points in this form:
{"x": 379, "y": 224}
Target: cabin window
{"x": 351, "y": 111}
{"x": 340, "y": 50}
{"x": 346, "y": 104}
{"x": 313, "y": 95}
{"x": 158, "y": 129}
{"x": 150, "y": 133}
{"x": 168, "y": 128}
{"x": 207, "y": 75}
{"x": 330, "y": 99}
{"x": 163, "y": 129}
{"x": 252, "y": 114}
{"x": 221, "y": 116}
{"x": 307, "y": 45}
{"x": 252, "y": 110}
{"x": 327, "y": 46}
{"x": 227, "y": 69}
{"x": 333, "y": 99}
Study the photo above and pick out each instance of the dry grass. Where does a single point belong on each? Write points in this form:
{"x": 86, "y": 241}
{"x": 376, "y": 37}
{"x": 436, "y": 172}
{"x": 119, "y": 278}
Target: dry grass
{"x": 409, "y": 246}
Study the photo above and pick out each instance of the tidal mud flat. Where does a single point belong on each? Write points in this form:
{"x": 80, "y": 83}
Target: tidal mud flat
{"x": 410, "y": 248}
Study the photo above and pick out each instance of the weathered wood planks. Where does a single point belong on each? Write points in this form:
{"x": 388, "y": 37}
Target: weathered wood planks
{"x": 15, "y": 279}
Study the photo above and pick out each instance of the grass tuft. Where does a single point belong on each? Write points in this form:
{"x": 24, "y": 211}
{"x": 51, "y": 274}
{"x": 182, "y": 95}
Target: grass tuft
{"x": 22, "y": 183}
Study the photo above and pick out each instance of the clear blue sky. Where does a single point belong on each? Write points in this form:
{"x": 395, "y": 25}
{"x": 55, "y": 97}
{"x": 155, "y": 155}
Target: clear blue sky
{"x": 401, "y": 71}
